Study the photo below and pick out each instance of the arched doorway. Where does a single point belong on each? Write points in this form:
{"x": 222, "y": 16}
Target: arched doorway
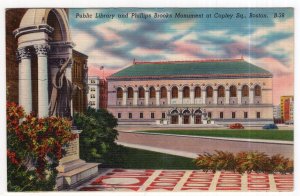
{"x": 186, "y": 116}
{"x": 174, "y": 117}
{"x": 198, "y": 116}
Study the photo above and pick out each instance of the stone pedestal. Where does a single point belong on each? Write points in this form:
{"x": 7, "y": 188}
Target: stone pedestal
{"x": 72, "y": 170}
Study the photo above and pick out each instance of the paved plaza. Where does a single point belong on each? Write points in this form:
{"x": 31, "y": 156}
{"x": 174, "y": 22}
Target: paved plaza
{"x": 186, "y": 180}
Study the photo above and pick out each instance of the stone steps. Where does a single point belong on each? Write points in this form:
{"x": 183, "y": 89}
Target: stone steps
{"x": 74, "y": 173}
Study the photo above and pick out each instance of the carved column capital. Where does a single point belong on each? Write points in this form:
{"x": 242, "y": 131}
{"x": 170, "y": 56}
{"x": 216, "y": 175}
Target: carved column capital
{"x": 42, "y": 49}
{"x": 23, "y": 53}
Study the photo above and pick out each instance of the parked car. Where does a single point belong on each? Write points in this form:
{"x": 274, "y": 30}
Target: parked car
{"x": 236, "y": 126}
{"x": 270, "y": 126}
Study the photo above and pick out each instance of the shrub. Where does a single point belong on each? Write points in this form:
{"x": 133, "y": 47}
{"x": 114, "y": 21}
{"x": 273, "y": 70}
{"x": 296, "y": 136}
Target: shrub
{"x": 97, "y": 141}
{"x": 34, "y": 147}
{"x": 242, "y": 162}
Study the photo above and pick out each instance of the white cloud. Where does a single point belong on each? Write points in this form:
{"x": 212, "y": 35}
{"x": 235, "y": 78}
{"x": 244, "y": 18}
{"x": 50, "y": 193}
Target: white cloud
{"x": 101, "y": 57}
{"x": 183, "y": 26}
{"x": 83, "y": 40}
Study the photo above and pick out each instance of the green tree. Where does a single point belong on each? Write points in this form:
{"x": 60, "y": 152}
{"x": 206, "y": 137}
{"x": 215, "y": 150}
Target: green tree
{"x": 97, "y": 141}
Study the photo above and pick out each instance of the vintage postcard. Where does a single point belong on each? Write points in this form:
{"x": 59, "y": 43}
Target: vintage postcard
{"x": 150, "y": 99}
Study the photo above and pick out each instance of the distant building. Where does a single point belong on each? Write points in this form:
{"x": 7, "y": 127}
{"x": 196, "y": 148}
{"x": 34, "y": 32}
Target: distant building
{"x": 287, "y": 108}
{"x": 191, "y": 92}
{"x": 79, "y": 77}
{"x": 103, "y": 93}
{"x": 93, "y": 92}
{"x": 277, "y": 112}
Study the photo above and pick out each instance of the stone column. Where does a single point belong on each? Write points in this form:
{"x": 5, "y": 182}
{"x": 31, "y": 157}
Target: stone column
{"x": 192, "y": 95}
{"x": 227, "y": 96}
{"x": 203, "y": 95}
{"x": 147, "y": 97}
{"x": 251, "y": 96}
{"x": 169, "y": 97}
{"x": 25, "y": 85}
{"x": 135, "y": 95}
{"x": 180, "y": 96}
{"x": 124, "y": 100}
{"x": 180, "y": 119}
{"x": 239, "y": 96}
{"x": 192, "y": 119}
{"x": 215, "y": 96}
{"x": 43, "y": 99}
{"x": 157, "y": 96}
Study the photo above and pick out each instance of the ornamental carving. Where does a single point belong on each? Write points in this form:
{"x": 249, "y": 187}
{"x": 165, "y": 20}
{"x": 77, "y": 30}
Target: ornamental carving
{"x": 42, "y": 50}
{"x": 23, "y": 53}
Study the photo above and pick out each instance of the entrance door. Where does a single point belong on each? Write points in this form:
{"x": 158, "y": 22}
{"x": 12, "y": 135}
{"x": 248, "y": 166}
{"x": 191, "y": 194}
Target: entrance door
{"x": 174, "y": 120}
{"x": 186, "y": 119}
{"x": 198, "y": 119}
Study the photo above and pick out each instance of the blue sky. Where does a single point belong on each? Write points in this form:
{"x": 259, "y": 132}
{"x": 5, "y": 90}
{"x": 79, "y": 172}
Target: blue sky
{"x": 122, "y": 40}
{"x": 114, "y": 43}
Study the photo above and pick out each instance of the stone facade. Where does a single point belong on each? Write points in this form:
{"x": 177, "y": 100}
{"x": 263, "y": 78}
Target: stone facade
{"x": 94, "y": 92}
{"x": 79, "y": 77}
{"x": 191, "y": 100}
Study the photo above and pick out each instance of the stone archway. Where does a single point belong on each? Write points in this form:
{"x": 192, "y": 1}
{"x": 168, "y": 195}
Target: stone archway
{"x": 174, "y": 117}
{"x": 198, "y": 116}
{"x": 45, "y": 47}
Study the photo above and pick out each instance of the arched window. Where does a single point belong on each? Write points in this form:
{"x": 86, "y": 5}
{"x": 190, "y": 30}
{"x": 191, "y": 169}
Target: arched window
{"x": 174, "y": 92}
{"x": 141, "y": 92}
{"x": 186, "y": 92}
{"x": 221, "y": 91}
{"x": 209, "y": 91}
{"x": 152, "y": 92}
{"x": 130, "y": 93}
{"x": 197, "y": 92}
{"x": 119, "y": 93}
{"x": 232, "y": 91}
{"x": 257, "y": 91}
{"x": 163, "y": 92}
{"x": 245, "y": 91}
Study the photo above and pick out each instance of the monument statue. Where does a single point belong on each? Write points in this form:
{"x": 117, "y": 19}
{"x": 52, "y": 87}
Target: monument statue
{"x": 62, "y": 93}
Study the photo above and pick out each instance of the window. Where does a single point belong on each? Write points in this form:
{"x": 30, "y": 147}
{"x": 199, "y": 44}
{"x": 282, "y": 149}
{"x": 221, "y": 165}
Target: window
{"x": 209, "y": 114}
{"x": 233, "y": 115}
{"x": 130, "y": 93}
{"x": 141, "y": 92}
{"x": 93, "y": 81}
{"x": 163, "y": 92}
{"x": 245, "y": 91}
{"x": 92, "y": 96}
{"x": 119, "y": 93}
{"x": 257, "y": 114}
{"x": 119, "y": 115}
{"x": 221, "y": 91}
{"x": 174, "y": 92}
{"x": 197, "y": 92}
{"x": 186, "y": 92}
{"x": 257, "y": 91}
{"x": 130, "y": 115}
{"x": 221, "y": 115}
{"x": 232, "y": 90}
{"x": 163, "y": 115}
{"x": 93, "y": 89}
{"x": 152, "y": 92}
{"x": 141, "y": 115}
{"x": 209, "y": 91}
{"x": 245, "y": 114}
{"x": 152, "y": 115}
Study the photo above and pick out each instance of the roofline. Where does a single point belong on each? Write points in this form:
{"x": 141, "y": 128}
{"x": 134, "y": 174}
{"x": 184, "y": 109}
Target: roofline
{"x": 198, "y": 76}
{"x": 188, "y": 61}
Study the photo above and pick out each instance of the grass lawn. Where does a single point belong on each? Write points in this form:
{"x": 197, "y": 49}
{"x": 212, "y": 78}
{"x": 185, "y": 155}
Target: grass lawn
{"x": 143, "y": 159}
{"x": 287, "y": 135}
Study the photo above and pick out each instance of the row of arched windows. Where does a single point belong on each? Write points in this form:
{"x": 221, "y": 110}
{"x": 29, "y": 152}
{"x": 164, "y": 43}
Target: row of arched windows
{"x": 186, "y": 92}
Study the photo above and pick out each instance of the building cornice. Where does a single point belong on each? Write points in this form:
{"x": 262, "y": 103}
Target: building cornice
{"x": 199, "y": 76}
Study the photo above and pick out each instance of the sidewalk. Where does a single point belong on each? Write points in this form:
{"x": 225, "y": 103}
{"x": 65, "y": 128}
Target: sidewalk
{"x": 186, "y": 180}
